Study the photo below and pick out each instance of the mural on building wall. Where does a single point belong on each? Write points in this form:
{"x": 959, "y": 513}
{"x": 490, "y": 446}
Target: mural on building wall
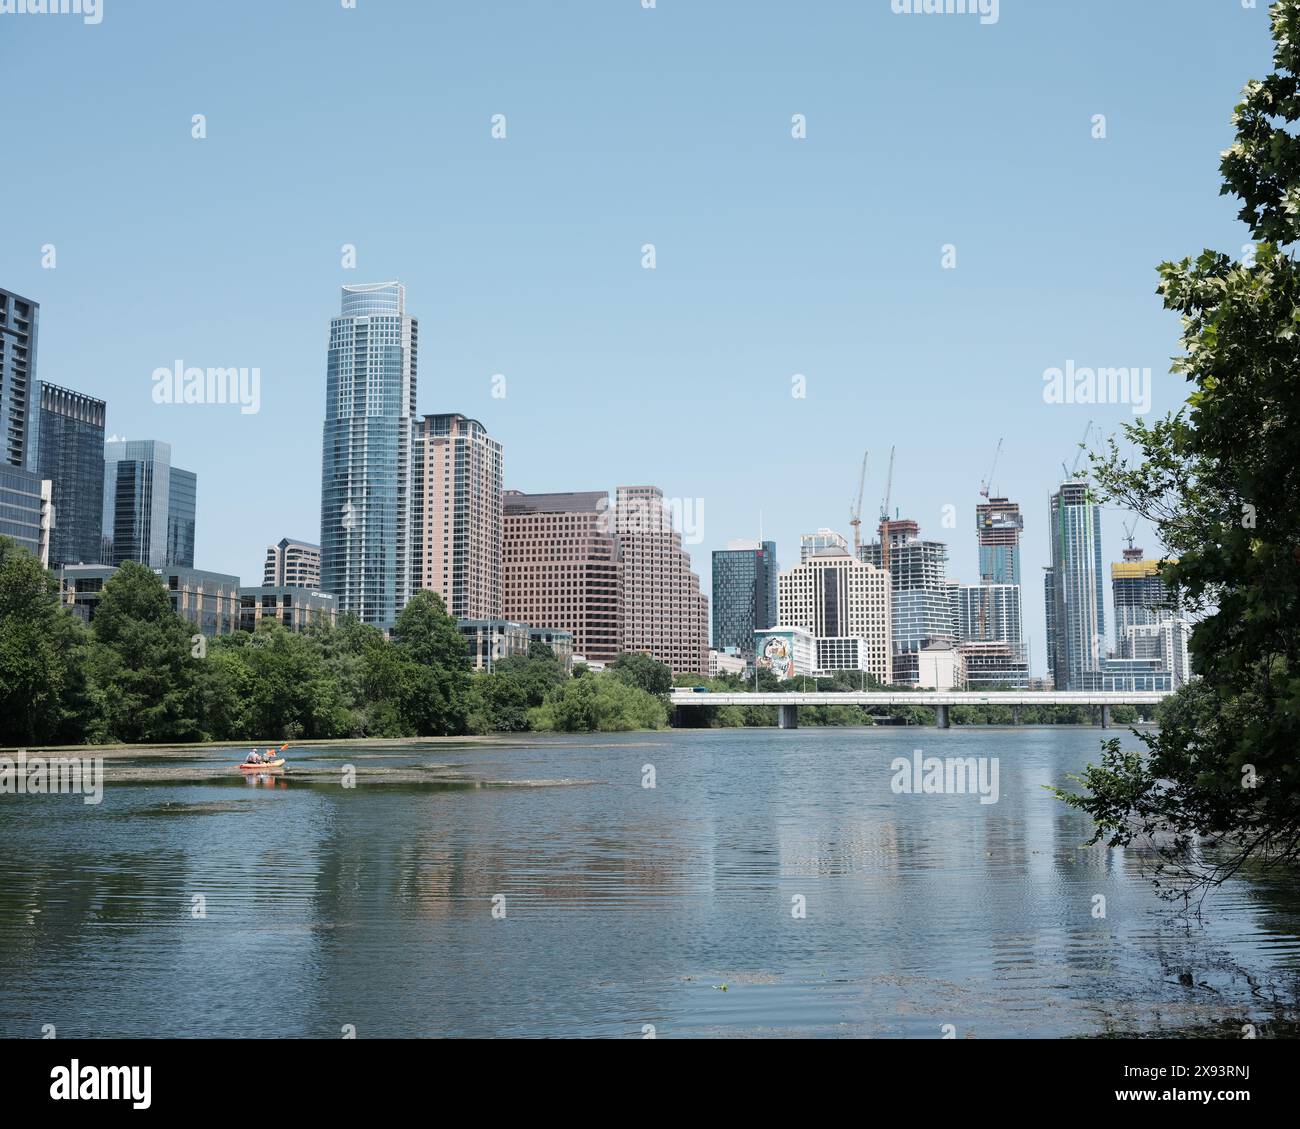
{"x": 776, "y": 653}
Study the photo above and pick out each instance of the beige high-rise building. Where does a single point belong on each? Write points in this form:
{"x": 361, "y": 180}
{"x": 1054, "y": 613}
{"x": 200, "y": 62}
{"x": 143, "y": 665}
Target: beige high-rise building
{"x": 664, "y": 613}
{"x": 292, "y": 564}
{"x": 845, "y": 604}
{"x": 561, "y": 570}
{"x": 456, "y": 515}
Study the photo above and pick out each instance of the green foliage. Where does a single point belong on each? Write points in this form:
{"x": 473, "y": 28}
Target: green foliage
{"x": 1220, "y": 480}
{"x": 643, "y": 672}
{"x": 599, "y": 703}
{"x": 142, "y": 660}
{"x": 500, "y": 701}
{"x": 45, "y": 694}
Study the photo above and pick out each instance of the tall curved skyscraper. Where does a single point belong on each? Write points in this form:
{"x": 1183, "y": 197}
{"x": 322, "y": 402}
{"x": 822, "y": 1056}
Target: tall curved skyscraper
{"x": 365, "y": 524}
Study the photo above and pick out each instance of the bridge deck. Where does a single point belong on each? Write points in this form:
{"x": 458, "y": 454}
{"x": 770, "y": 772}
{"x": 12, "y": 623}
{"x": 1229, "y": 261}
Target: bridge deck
{"x": 688, "y": 697}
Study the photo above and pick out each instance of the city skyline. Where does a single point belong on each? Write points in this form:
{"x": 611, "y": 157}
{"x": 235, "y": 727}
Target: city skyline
{"x": 774, "y": 256}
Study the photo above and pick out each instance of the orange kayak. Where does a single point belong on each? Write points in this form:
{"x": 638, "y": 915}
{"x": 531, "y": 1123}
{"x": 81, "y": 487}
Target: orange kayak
{"x": 262, "y": 767}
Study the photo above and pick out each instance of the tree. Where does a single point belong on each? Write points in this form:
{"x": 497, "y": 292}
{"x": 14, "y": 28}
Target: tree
{"x": 600, "y": 703}
{"x": 434, "y": 667}
{"x": 1220, "y": 480}
{"x": 643, "y": 672}
{"x": 45, "y": 695}
{"x": 143, "y": 661}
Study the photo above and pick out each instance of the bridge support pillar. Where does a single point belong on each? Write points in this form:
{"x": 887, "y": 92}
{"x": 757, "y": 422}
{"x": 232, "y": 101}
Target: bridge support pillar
{"x": 1015, "y": 715}
{"x": 1105, "y": 717}
{"x": 941, "y": 717}
{"x": 787, "y": 717}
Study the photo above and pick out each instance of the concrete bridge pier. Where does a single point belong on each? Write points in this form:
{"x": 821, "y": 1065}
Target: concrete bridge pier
{"x": 941, "y": 717}
{"x": 1105, "y": 717}
{"x": 1015, "y": 715}
{"x": 787, "y": 717}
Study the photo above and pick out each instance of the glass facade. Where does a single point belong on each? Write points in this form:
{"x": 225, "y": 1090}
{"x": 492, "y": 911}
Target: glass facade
{"x": 744, "y": 594}
{"x": 208, "y": 601}
{"x": 366, "y": 453}
{"x": 20, "y": 508}
{"x": 998, "y": 525}
{"x": 149, "y": 506}
{"x": 1076, "y": 597}
{"x": 922, "y": 603}
{"x": 67, "y": 447}
{"x": 19, "y": 317}
{"x": 180, "y": 517}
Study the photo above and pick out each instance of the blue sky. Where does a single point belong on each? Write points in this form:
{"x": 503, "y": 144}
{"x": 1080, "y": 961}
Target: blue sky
{"x": 627, "y": 126}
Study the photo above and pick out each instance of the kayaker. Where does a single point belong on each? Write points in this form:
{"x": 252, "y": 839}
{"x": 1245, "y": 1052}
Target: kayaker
{"x": 254, "y": 758}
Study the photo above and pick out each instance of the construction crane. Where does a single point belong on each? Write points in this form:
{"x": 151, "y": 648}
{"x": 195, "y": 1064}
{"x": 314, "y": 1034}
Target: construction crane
{"x": 884, "y": 512}
{"x": 855, "y": 510}
{"x": 988, "y": 482}
{"x": 1073, "y": 472}
{"x": 1131, "y": 554}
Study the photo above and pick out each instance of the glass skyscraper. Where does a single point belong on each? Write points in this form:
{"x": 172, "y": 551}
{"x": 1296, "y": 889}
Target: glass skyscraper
{"x": 744, "y": 593}
{"x": 25, "y": 498}
{"x": 19, "y": 318}
{"x": 365, "y": 535}
{"x": 1075, "y": 592}
{"x": 149, "y": 505}
{"x": 66, "y": 446}
{"x": 998, "y": 524}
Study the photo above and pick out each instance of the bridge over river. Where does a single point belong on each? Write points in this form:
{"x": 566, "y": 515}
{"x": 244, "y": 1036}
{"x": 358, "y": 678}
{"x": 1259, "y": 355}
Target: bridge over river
{"x": 684, "y": 698}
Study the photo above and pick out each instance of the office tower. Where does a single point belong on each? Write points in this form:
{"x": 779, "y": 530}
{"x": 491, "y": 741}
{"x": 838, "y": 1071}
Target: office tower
{"x": 845, "y": 605}
{"x": 181, "y": 508}
{"x": 663, "y": 612}
{"x": 988, "y": 613}
{"x": 744, "y": 594}
{"x": 811, "y": 544}
{"x": 998, "y": 526}
{"x": 292, "y": 564}
{"x": 26, "y": 499}
{"x": 1148, "y": 622}
{"x": 920, "y": 600}
{"x": 1140, "y": 595}
{"x": 208, "y": 601}
{"x": 456, "y": 515}
{"x": 366, "y": 453}
{"x": 149, "y": 505}
{"x": 1049, "y": 605}
{"x": 989, "y": 629}
{"x": 560, "y": 568}
{"x": 24, "y": 510}
{"x": 66, "y": 446}
{"x": 293, "y": 605}
{"x": 1077, "y": 601}
{"x": 19, "y": 318}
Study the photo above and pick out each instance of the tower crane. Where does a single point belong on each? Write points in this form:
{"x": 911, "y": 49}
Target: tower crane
{"x": 855, "y": 510}
{"x": 1073, "y": 472}
{"x": 988, "y": 482}
{"x": 884, "y": 512}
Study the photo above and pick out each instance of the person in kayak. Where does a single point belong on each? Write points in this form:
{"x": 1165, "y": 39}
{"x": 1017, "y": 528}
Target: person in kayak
{"x": 254, "y": 758}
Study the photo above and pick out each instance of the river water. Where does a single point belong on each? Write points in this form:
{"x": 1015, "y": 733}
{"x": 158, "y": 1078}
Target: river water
{"x": 770, "y": 883}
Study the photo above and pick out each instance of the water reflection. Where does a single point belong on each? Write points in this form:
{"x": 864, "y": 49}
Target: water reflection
{"x": 270, "y": 906}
